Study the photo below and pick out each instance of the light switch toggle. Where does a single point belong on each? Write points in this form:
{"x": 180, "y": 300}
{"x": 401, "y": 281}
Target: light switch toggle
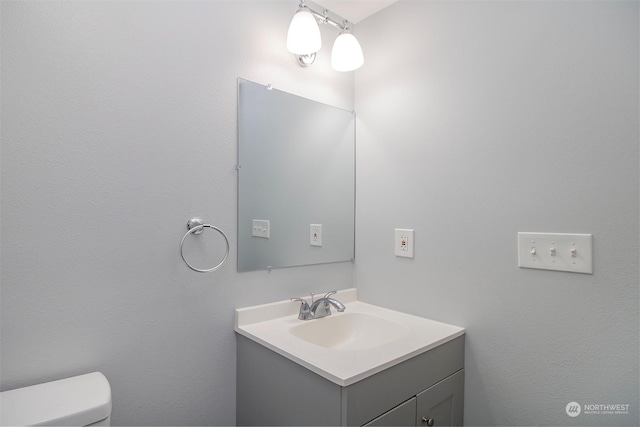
{"x": 573, "y": 252}
{"x": 533, "y": 251}
{"x": 552, "y": 251}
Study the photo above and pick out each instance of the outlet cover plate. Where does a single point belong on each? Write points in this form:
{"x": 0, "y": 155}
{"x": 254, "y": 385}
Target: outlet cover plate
{"x": 404, "y": 242}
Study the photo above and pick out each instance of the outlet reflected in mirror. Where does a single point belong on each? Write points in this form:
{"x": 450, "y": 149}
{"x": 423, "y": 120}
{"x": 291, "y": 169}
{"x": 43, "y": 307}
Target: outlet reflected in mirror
{"x": 296, "y": 162}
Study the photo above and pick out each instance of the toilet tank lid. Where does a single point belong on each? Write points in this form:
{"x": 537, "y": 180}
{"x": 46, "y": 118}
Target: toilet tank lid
{"x": 75, "y": 401}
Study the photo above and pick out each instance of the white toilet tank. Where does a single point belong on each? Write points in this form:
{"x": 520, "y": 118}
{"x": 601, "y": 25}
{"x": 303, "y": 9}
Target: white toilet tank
{"x": 78, "y": 401}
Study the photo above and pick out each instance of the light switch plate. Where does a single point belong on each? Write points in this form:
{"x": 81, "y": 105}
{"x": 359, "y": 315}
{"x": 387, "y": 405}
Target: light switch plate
{"x": 556, "y": 251}
{"x": 404, "y": 242}
{"x": 261, "y": 228}
{"x": 315, "y": 234}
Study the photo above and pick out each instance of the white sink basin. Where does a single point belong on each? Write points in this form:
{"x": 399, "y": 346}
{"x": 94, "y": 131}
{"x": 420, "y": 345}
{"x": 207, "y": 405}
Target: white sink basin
{"x": 350, "y": 331}
{"x": 344, "y": 347}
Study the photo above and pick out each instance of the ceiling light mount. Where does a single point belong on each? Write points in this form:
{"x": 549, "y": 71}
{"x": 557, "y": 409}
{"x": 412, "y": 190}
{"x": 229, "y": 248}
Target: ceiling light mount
{"x": 304, "y": 39}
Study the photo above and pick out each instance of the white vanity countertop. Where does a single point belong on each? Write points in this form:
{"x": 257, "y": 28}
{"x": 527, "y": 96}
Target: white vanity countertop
{"x": 270, "y": 325}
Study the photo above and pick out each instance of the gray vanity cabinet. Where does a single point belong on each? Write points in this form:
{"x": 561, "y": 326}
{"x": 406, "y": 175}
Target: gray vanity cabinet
{"x": 273, "y": 390}
{"x": 439, "y": 405}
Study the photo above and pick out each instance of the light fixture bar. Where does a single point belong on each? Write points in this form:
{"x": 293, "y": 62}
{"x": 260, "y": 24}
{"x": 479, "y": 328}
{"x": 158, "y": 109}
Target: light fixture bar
{"x": 324, "y": 18}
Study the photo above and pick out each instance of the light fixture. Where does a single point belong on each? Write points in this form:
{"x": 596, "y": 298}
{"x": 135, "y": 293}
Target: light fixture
{"x": 346, "y": 54}
{"x": 303, "y": 37}
{"x": 304, "y": 40}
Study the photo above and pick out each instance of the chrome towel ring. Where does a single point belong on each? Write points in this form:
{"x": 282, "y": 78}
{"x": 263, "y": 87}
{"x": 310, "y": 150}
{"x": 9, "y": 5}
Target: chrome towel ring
{"x": 196, "y": 226}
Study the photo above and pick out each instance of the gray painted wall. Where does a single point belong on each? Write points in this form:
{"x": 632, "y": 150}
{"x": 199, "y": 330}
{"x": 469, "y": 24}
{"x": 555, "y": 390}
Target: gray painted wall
{"x": 483, "y": 119}
{"x": 118, "y": 125}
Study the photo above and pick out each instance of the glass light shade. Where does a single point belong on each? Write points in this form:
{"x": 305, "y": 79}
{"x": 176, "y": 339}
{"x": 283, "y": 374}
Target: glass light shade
{"x": 303, "y": 37}
{"x": 346, "y": 54}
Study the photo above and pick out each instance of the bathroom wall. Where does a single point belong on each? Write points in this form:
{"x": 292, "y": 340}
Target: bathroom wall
{"x": 118, "y": 125}
{"x": 483, "y": 118}
{"x": 477, "y": 120}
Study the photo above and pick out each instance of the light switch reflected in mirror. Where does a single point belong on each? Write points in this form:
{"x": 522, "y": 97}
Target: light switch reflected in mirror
{"x": 296, "y": 161}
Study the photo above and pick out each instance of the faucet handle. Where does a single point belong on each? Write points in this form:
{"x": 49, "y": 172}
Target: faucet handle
{"x": 305, "y": 311}
{"x": 301, "y": 300}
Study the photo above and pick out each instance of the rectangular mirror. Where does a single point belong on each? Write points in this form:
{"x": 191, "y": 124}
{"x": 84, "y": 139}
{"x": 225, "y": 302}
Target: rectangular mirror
{"x": 296, "y": 180}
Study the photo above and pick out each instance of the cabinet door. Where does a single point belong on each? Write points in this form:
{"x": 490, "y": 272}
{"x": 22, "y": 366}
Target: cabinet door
{"x": 402, "y": 415}
{"x": 442, "y": 403}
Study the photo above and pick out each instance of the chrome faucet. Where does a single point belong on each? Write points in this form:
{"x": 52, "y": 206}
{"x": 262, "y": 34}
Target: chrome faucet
{"x": 318, "y": 308}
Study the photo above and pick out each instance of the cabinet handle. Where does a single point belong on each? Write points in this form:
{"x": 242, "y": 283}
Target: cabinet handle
{"x": 429, "y": 421}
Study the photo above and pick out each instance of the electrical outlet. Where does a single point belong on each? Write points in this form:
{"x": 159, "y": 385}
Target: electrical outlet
{"x": 315, "y": 234}
{"x": 404, "y": 242}
{"x": 261, "y": 228}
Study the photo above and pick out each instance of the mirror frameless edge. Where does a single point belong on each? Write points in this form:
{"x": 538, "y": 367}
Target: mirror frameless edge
{"x": 296, "y": 168}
